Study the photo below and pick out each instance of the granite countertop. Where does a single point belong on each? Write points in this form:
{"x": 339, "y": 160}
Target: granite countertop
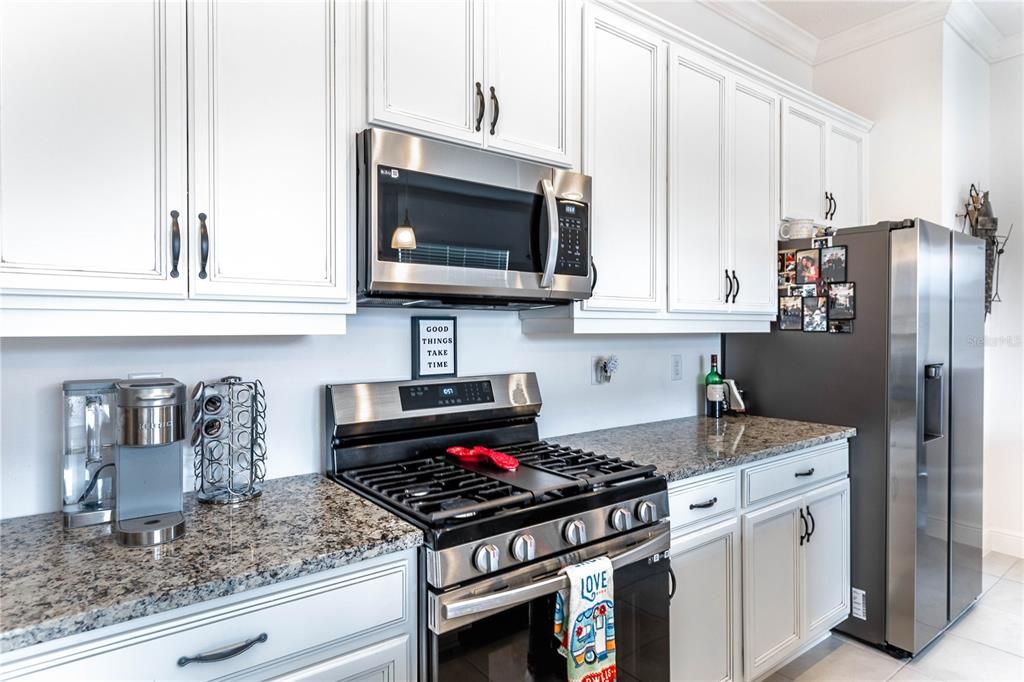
{"x": 682, "y": 448}
{"x": 55, "y": 583}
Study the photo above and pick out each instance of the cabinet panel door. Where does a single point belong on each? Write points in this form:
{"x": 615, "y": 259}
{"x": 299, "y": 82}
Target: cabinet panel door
{"x": 386, "y": 661}
{"x": 803, "y": 162}
{"x": 624, "y": 151}
{"x": 270, "y": 142}
{"x": 846, "y": 152}
{"x": 705, "y": 612}
{"x": 93, "y": 140}
{"x": 527, "y": 46}
{"x": 698, "y": 138}
{"x": 755, "y": 200}
{"x": 771, "y": 585}
{"x": 827, "y": 557}
{"x": 425, "y": 59}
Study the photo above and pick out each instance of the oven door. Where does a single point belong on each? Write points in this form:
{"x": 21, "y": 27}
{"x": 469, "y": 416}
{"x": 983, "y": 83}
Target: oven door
{"x": 503, "y": 629}
{"x": 441, "y": 220}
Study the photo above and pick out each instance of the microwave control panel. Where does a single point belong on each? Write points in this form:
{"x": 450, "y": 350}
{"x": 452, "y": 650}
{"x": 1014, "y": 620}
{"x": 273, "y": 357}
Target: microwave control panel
{"x": 573, "y": 239}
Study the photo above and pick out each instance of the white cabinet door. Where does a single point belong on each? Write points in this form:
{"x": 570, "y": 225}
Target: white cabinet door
{"x": 383, "y": 662}
{"x": 755, "y": 199}
{"x": 526, "y": 77}
{"x": 93, "y": 140}
{"x": 846, "y": 160}
{"x": 269, "y": 150}
{"x": 624, "y": 151}
{"x": 827, "y": 557}
{"x": 803, "y": 162}
{"x": 698, "y": 185}
{"x": 425, "y": 66}
{"x": 705, "y": 611}
{"x": 771, "y": 585}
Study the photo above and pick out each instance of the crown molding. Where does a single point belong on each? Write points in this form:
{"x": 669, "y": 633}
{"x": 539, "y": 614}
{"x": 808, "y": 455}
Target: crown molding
{"x": 767, "y": 24}
{"x": 963, "y": 16}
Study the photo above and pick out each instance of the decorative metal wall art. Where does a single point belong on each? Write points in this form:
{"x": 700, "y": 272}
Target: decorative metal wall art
{"x": 983, "y": 224}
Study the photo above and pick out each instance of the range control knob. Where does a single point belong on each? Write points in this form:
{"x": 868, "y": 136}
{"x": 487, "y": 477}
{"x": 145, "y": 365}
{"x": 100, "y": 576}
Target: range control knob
{"x": 485, "y": 559}
{"x": 647, "y": 512}
{"x": 575, "y": 532}
{"x": 524, "y": 547}
{"x": 621, "y": 519}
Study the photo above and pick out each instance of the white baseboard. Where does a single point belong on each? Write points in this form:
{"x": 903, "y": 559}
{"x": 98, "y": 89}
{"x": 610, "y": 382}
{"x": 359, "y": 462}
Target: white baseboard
{"x": 1004, "y": 542}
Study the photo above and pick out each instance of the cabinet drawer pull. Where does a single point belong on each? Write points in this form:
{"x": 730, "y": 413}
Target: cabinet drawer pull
{"x": 728, "y": 292}
{"x": 204, "y": 245}
{"x": 736, "y": 292}
{"x": 223, "y": 654}
{"x": 809, "y": 472}
{"x": 175, "y": 244}
{"x": 705, "y": 505}
{"x": 497, "y": 109}
{"x": 481, "y": 104}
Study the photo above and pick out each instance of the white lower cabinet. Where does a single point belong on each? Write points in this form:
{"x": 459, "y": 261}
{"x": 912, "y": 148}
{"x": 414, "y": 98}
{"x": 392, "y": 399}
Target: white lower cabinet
{"x": 355, "y": 623}
{"x": 759, "y": 584}
{"x": 705, "y": 615}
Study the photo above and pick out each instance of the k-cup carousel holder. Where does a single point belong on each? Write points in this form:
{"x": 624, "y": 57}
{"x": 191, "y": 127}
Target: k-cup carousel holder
{"x": 229, "y": 429}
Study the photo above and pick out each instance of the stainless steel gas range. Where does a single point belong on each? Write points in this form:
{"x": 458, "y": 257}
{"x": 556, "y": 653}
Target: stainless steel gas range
{"x": 495, "y": 540}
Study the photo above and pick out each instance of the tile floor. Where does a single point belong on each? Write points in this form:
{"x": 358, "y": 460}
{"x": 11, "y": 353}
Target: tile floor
{"x": 986, "y": 644}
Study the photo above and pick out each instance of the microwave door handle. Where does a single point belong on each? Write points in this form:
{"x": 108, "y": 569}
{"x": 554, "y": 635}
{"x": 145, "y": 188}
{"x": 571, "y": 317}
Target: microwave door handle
{"x": 548, "y": 277}
{"x": 540, "y": 588}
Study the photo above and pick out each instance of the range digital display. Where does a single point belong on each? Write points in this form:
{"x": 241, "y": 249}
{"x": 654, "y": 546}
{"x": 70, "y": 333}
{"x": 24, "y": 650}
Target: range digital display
{"x": 430, "y": 396}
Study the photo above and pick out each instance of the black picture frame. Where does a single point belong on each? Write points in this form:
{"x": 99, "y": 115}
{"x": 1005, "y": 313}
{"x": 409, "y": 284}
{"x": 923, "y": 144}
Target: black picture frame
{"x": 417, "y": 371}
{"x": 801, "y": 278}
{"x": 840, "y": 326}
{"x": 831, "y": 273}
{"x": 847, "y": 312}
{"x": 820, "y": 303}
{"x": 791, "y": 323}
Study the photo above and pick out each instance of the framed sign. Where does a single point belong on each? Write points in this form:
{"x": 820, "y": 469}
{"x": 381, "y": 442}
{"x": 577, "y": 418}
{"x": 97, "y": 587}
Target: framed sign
{"x": 434, "y": 348}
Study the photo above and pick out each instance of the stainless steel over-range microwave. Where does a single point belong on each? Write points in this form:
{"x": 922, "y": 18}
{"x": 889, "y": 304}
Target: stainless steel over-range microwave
{"x": 444, "y": 225}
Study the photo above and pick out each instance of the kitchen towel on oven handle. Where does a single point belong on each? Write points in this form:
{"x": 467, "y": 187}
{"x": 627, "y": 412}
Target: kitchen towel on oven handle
{"x": 585, "y": 621}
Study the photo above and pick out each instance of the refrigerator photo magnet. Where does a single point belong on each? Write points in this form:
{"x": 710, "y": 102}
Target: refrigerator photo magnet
{"x": 808, "y": 266}
{"x": 842, "y": 301}
{"x": 833, "y": 264}
{"x": 815, "y": 314}
{"x": 791, "y": 313}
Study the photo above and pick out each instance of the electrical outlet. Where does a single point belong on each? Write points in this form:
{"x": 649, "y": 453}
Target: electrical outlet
{"x": 677, "y": 367}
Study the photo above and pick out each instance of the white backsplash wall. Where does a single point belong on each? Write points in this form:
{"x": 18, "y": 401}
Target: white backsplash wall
{"x": 293, "y": 370}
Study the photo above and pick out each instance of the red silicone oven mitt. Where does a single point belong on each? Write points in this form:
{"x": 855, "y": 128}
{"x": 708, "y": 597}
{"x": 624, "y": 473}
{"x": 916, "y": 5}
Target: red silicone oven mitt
{"x": 479, "y": 453}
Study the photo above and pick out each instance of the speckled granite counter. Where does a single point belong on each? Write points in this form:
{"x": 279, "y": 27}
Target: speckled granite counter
{"x": 55, "y": 583}
{"x": 691, "y": 446}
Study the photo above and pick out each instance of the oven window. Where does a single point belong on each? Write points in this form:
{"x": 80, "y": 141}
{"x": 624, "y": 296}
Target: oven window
{"x": 519, "y": 644}
{"x": 458, "y": 223}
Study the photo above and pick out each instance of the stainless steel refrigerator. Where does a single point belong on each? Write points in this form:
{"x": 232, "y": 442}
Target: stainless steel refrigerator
{"x": 909, "y": 378}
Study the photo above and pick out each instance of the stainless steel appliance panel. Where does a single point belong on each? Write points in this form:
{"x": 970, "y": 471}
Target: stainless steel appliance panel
{"x": 396, "y": 150}
{"x": 966, "y": 403}
{"x": 918, "y": 501}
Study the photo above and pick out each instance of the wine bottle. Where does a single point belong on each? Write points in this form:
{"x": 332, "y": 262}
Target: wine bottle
{"x": 714, "y": 391}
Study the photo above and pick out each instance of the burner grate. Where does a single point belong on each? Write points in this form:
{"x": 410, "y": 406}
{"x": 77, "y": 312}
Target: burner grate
{"x": 596, "y": 470}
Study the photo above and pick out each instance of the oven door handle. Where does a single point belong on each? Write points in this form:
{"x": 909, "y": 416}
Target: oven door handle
{"x": 550, "y": 203}
{"x": 522, "y": 595}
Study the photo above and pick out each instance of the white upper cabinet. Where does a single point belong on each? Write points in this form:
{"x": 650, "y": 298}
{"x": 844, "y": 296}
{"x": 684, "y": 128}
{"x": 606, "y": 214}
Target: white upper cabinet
{"x": 530, "y": 77}
{"x": 698, "y": 185}
{"x": 270, "y": 171}
{"x": 824, "y": 165}
{"x": 93, "y": 140}
{"x": 847, "y": 161}
{"x": 723, "y": 193}
{"x": 804, "y": 136}
{"x": 425, "y": 62}
{"x": 755, "y": 197}
{"x": 624, "y": 151}
{"x": 492, "y": 74}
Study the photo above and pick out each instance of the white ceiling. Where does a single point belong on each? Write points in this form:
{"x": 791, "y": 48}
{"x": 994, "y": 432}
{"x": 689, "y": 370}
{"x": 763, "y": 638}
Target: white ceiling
{"x": 826, "y": 18}
{"x": 1006, "y": 15}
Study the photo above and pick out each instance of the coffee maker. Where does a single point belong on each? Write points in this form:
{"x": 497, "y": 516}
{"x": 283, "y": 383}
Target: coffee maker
{"x": 148, "y": 458}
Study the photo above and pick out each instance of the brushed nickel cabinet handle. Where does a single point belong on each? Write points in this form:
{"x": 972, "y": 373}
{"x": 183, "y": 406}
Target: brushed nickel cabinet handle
{"x": 481, "y": 104}
{"x": 223, "y": 654}
{"x": 175, "y": 244}
{"x": 204, "y": 246}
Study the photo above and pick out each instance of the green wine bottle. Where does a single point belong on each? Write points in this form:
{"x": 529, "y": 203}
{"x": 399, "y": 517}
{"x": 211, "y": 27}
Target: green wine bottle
{"x": 714, "y": 391}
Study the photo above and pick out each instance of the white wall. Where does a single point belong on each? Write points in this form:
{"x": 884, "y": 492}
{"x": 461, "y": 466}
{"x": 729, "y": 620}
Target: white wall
{"x": 965, "y": 124}
{"x": 705, "y": 23}
{"x": 294, "y": 369}
{"x": 1004, "y": 330}
{"x": 896, "y": 83}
